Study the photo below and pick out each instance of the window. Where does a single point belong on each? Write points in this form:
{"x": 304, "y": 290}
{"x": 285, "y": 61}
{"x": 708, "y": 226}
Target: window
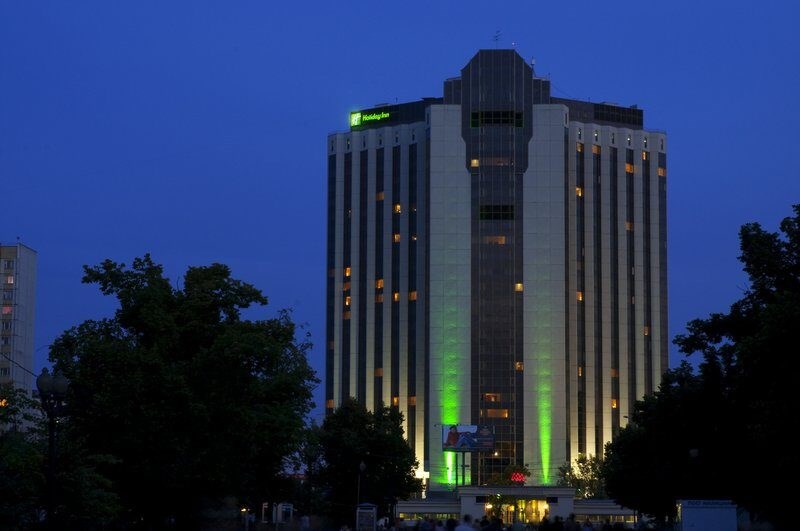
{"x": 396, "y": 237}
{"x": 615, "y": 373}
{"x": 6, "y": 310}
{"x": 579, "y": 147}
{"x": 645, "y": 154}
{"x": 491, "y": 397}
{"x": 6, "y": 325}
{"x": 397, "y": 208}
{"x": 396, "y": 296}
{"x": 5, "y": 341}
{"x": 628, "y": 167}
{"x": 378, "y": 372}
{"x": 412, "y": 401}
{"x": 379, "y": 196}
{"x": 519, "y": 366}
{"x": 346, "y": 286}
{"x": 413, "y": 237}
{"x": 9, "y": 279}
{"x": 495, "y": 240}
{"x": 347, "y": 301}
{"x": 595, "y": 149}
{"x": 3, "y": 401}
{"x": 9, "y": 264}
{"x": 580, "y": 370}
{"x": 613, "y": 403}
{"x": 329, "y": 403}
{"x": 629, "y": 225}
{"x": 379, "y": 283}
{"x": 412, "y": 295}
{"x": 379, "y": 298}
{"x": 8, "y": 295}
{"x": 579, "y": 191}
{"x": 330, "y": 345}
{"x": 580, "y": 296}
{"x": 395, "y": 401}
{"x": 497, "y": 413}
{"x": 518, "y": 286}
{"x": 474, "y": 163}
{"x": 662, "y": 172}
{"x": 347, "y": 271}
{"x": 346, "y": 315}
{"x": 647, "y": 330}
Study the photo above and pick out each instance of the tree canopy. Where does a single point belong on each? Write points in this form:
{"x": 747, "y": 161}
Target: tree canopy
{"x": 190, "y": 402}
{"x": 352, "y": 435}
{"x": 585, "y": 476}
{"x": 724, "y": 430}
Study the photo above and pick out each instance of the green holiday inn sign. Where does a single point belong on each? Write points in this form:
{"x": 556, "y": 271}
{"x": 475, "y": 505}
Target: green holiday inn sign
{"x": 359, "y": 118}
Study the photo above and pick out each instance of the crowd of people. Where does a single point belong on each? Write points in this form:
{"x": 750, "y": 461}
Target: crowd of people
{"x": 494, "y": 523}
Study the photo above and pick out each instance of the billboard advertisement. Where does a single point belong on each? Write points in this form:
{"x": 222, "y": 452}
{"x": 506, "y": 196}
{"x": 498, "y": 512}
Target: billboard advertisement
{"x": 467, "y": 438}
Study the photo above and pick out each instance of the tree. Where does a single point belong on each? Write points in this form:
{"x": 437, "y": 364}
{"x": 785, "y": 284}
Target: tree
{"x": 190, "y": 402}
{"x": 21, "y": 460}
{"x": 720, "y": 432}
{"x": 585, "y": 476}
{"x": 349, "y": 436}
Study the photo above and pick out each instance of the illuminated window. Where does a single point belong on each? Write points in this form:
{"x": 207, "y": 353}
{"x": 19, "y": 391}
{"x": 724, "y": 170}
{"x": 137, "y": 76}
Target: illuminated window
{"x": 412, "y": 295}
{"x": 379, "y": 283}
{"x": 396, "y": 238}
{"x": 579, "y": 191}
{"x": 3, "y": 402}
{"x": 379, "y": 298}
{"x": 10, "y": 279}
{"x": 395, "y": 401}
{"x": 379, "y": 196}
{"x": 614, "y": 373}
{"x": 329, "y": 403}
{"x": 519, "y": 366}
{"x": 347, "y": 301}
{"x": 496, "y": 240}
{"x": 491, "y": 397}
{"x": 518, "y": 286}
{"x": 579, "y": 146}
{"x": 474, "y": 163}
{"x": 6, "y": 310}
{"x": 346, "y": 315}
{"x": 629, "y": 225}
{"x": 379, "y": 372}
{"x": 645, "y": 153}
{"x": 662, "y": 172}
{"x": 613, "y": 403}
{"x": 580, "y": 370}
{"x": 412, "y": 401}
{"x": 580, "y": 295}
{"x": 396, "y": 296}
{"x": 497, "y": 413}
{"x": 397, "y": 208}
{"x": 647, "y": 330}
{"x": 346, "y": 286}
{"x": 628, "y": 167}
{"x": 413, "y": 237}
{"x": 595, "y": 149}
{"x": 347, "y": 271}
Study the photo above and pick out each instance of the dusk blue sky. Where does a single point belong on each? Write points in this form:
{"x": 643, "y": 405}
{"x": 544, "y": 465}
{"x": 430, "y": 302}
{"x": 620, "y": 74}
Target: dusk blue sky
{"x": 196, "y": 131}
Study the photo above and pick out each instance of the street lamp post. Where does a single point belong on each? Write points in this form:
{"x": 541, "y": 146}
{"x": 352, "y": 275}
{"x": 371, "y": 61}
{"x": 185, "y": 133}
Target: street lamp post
{"x": 361, "y": 468}
{"x": 52, "y": 392}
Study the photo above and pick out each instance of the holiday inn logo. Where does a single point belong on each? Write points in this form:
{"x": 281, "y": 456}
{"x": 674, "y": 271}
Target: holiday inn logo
{"x": 360, "y": 118}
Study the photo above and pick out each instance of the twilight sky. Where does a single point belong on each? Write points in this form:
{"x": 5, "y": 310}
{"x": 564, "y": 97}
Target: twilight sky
{"x": 195, "y": 130}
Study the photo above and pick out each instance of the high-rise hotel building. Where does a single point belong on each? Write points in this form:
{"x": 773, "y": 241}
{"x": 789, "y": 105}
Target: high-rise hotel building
{"x": 497, "y": 256}
{"x": 18, "y": 287}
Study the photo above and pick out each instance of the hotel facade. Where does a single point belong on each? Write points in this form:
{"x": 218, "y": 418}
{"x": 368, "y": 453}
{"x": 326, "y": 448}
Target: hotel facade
{"x": 497, "y": 256}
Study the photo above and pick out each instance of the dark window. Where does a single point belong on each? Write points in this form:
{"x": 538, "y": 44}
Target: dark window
{"x": 496, "y": 212}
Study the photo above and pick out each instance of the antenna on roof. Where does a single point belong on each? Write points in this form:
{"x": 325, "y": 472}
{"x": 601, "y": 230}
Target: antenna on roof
{"x": 496, "y": 37}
